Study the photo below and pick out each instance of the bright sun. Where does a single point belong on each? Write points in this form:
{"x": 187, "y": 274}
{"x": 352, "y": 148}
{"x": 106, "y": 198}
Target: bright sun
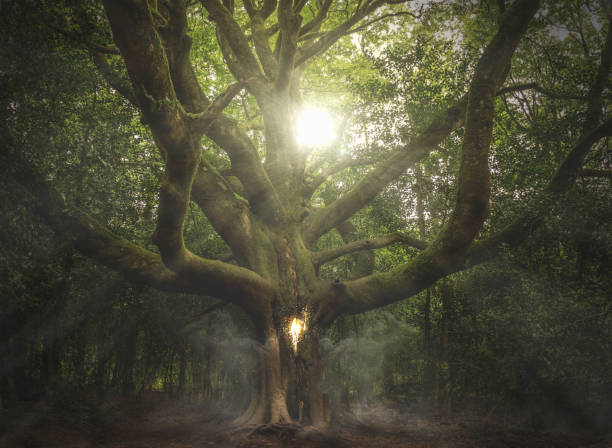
{"x": 315, "y": 128}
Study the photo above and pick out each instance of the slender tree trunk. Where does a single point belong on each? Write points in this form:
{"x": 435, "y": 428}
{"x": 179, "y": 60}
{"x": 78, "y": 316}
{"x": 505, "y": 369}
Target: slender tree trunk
{"x": 101, "y": 369}
{"x": 182, "y": 369}
{"x": 445, "y": 399}
{"x": 127, "y": 357}
{"x": 429, "y": 373}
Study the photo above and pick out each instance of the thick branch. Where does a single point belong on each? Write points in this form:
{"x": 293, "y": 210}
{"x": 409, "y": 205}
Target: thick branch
{"x": 319, "y": 258}
{"x": 447, "y": 253}
{"x": 384, "y": 288}
{"x": 473, "y": 183}
{"x": 230, "y": 217}
{"x": 380, "y": 289}
{"x": 134, "y": 33}
{"x": 148, "y": 67}
{"x": 317, "y": 20}
{"x": 520, "y": 229}
{"x": 594, "y": 109}
{"x": 289, "y": 22}
{"x": 262, "y": 46}
{"x": 488, "y": 79}
{"x": 375, "y": 181}
{"x": 223, "y": 131}
{"x": 237, "y": 41}
{"x": 227, "y": 282}
{"x": 325, "y": 174}
{"x": 517, "y": 231}
{"x": 178, "y": 46}
{"x": 247, "y": 166}
{"x": 369, "y": 187}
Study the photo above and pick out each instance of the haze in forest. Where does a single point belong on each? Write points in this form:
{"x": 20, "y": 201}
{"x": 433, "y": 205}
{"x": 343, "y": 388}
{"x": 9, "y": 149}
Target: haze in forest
{"x": 305, "y": 223}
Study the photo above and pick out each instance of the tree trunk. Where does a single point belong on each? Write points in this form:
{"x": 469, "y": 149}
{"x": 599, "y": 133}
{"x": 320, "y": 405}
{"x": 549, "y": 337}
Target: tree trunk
{"x": 286, "y": 388}
{"x": 180, "y": 392}
{"x": 445, "y": 403}
{"x": 429, "y": 370}
{"x": 126, "y": 360}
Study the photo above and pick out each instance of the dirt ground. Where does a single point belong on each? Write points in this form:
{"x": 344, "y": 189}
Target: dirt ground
{"x": 183, "y": 425}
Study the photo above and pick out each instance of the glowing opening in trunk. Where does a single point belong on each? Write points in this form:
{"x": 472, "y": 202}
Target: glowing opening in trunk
{"x": 296, "y": 330}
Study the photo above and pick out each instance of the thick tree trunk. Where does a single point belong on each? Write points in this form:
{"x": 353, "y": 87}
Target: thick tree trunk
{"x": 286, "y": 381}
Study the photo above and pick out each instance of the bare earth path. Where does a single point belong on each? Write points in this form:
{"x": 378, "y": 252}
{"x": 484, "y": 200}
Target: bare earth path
{"x": 178, "y": 425}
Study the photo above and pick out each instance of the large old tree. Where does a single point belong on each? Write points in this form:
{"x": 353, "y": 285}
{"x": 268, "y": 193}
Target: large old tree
{"x": 262, "y": 206}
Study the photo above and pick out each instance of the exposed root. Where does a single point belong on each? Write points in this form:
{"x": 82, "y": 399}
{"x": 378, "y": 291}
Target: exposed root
{"x": 286, "y": 431}
{"x": 281, "y": 430}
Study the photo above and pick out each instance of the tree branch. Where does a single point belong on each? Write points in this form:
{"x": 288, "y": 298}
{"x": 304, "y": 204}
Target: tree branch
{"x": 375, "y": 181}
{"x": 517, "y": 231}
{"x": 406, "y": 280}
{"x": 289, "y": 22}
{"x": 442, "y": 125}
{"x": 471, "y": 206}
{"x": 447, "y": 253}
{"x": 235, "y": 38}
{"x": 246, "y": 165}
{"x": 223, "y": 131}
{"x": 602, "y": 78}
{"x": 114, "y": 79}
{"x": 228, "y": 282}
{"x": 317, "y": 20}
{"x": 325, "y": 174}
{"x": 595, "y": 173}
{"x": 230, "y": 217}
{"x": 520, "y": 229}
{"x": 330, "y": 37}
{"x": 318, "y": 258}
{"x": 535, "y": 86}
{"x": 135, "y": 35}
{"x": 378, "y": 19}
{"x": 202, "y": 121}
{"x": 178, "y": 46}
{"x": 262, "y": 46}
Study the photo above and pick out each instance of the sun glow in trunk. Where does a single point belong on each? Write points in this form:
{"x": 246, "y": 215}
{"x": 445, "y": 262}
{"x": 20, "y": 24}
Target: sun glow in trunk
{"x": 296, "y": 331}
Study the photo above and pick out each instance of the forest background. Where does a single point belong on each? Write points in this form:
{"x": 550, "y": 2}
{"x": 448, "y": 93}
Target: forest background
{"x": 526, "y": 334}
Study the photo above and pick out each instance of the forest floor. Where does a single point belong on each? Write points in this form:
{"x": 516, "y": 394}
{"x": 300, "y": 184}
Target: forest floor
{"x": 172, "y": 424}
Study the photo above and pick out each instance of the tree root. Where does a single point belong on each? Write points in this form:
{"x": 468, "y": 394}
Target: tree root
{"x": 285, "y": 431}
{"x": 281, "y": 430}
